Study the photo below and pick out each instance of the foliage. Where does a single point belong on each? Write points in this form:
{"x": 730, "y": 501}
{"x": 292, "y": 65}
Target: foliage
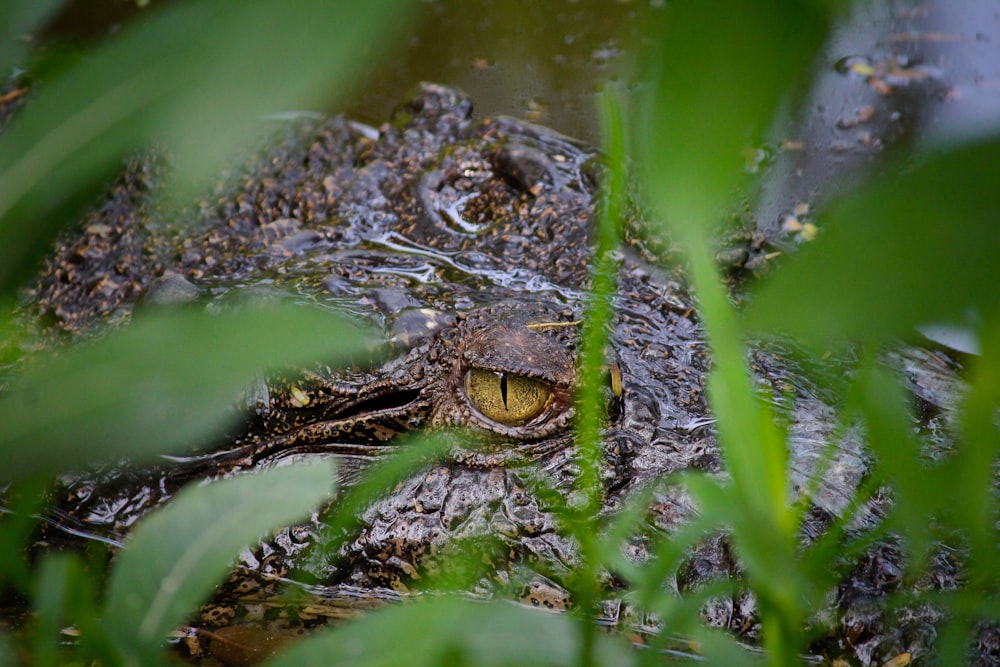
{"x": 516, "y": 636}
{"x": 157, "y": 581}
{"x": 126, "y": 394}
{"x": 244, "y": 60}
{"x": 707, "y": 98}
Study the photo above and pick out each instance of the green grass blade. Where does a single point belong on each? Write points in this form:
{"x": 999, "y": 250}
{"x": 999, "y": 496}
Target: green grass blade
{"x": 178, "y": 552}
{"x": 18, "y": 18}
{"x": 54, "y": 576}
{"x": 721, "y": 70}
{"x": 61, "y": 595}
{"x": 410, "y": 455}
{"x": 20, "y": 502}
{"x": 902, "y": 252}
{"x": 883, "y": 404}
{"x": 166, "y": 380}
{"x": 590, "y": 398}
{"x": 974, "y": 464}
{"x": 693, "y": 133}
{"x": 451, "y": 631}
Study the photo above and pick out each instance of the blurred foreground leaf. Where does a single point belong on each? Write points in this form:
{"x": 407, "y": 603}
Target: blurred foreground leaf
{"x": 17, "y": 19}
{"x": 453, "y": 631}
{"x": 64, "y": 596}
{"x": 177, "y": 553}
{"x": 167, "y": 379}
{"x": 721, "y": 73}
{"x": 883, "y": 404}
{"x": 968, "y": 489}
{"x": 974, "y": 464}
{"x": 18, "y": 506}
{"x": 918, "y": 247}
{"x": 199, "y": 76}
{"x": 721, "y": 70}
{"x": 408, "y": 455}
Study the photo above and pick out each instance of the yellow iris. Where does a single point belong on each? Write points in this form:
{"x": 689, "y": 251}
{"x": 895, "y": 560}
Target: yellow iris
{"x": 507, "y": 398}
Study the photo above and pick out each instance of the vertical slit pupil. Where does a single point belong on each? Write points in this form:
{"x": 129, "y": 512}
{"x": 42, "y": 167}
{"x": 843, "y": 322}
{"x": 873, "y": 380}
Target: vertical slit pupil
{"x": 503, "y": 388}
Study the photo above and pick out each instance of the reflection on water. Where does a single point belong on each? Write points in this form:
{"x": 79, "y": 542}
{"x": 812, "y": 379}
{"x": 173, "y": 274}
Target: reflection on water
{"x": 892, "y": 73}
{"x": 539, "y": 61}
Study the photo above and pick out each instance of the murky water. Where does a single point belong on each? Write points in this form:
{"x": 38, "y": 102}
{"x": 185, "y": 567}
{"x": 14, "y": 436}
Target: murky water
{"x": 540, "y": 61}
{"x": 537, "y": 61}
{"x": 893, "y": 75}
{"x": 544, "y": 62}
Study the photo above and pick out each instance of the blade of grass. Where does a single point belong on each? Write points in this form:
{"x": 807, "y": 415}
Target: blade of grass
{"x": 21, "y": 501}
{"x": 411, "y": 455}
{"x": 63, "y": 593}
{"x": 973, "y": 467}
{"x": 448, "y": 630}
{"x": 693, "y": 132}
{"x": 967, "y": 494}
{"x": 17, "y": 19}
{"x": 627, "y": 522}
{"x": 590, "y": 399}
{"x": 670, "y": 549}
{"x": 680, "y": 620}
{"x": 178, "y": 552}
{"x": 169, "y": 378}
{"x": 718, "y": 78}
{"x": 883, "y": 404}
{"x": 915, "y": 252}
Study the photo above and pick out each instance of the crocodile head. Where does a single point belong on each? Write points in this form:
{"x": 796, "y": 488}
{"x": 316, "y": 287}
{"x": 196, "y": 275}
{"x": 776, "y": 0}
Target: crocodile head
{"x": 467, "y": 242}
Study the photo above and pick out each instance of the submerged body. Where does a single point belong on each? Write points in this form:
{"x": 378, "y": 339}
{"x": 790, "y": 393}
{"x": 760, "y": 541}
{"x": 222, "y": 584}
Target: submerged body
{"x": 467, "y": 242}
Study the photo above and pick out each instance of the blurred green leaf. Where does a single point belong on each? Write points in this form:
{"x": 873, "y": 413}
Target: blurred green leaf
{"x": 883, "y": 404}
{"x": 721, "y": 73}
{"x": 198, "y": 76}
{"x": 410, "y": 454}
{"x": 756, "y": 451}
{"x": 165, "y": 380}
{"x": 917, "y": 247}
{"x": 178, "y": 552}
{"x": 669, "y": 551}
{"x": 19, "y": 504}
{"x": 628, "y": 521}
{"x": 6, "y": 654}
{"x": 972, "y": 470}
{"x": 62, "y": 595}
{"x": 720, "y": 648}
{"x": 683, "y": 631}
{"x": 18, "y": 18}
{"x": 438, "y": 631}
{"x": 721, "y": 70}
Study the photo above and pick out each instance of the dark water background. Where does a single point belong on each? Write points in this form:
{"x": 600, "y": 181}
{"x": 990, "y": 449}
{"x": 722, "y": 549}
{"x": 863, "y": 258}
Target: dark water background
{"x": 544, "y": 62}
{"x": 541, "y": 61}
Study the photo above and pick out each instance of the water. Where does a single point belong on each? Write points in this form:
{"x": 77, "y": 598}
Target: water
{"x": 543, "y": 62}
{"x": 536, "y": 61}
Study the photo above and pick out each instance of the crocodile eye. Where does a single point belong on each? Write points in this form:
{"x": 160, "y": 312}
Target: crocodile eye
{"x": 507, "y": 398}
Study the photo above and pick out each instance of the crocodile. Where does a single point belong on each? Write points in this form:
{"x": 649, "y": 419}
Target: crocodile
{"x": 467, "y": 242}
